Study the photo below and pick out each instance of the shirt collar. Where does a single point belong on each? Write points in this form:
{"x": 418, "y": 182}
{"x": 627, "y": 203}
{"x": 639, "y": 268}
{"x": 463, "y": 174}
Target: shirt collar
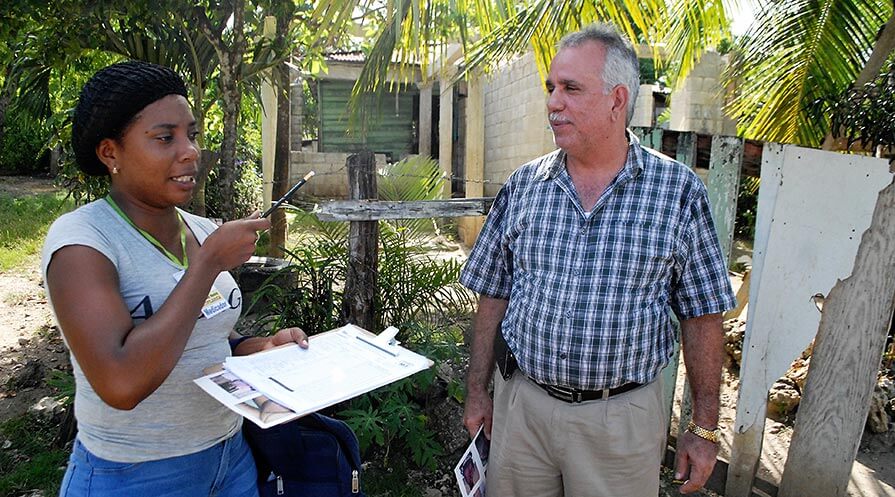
{"x": 554, "y": 165}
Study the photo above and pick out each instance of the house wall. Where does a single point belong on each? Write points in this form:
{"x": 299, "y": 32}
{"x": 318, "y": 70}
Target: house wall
{"x": 516, "y": 129}
{"x": 697, "y": 105}
{"x": 331, "y": 175}
{"x": 644, "y": 107}
{"x": 391, "y": 132}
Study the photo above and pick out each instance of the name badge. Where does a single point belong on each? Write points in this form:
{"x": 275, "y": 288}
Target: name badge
{"x": 215, "y": 303}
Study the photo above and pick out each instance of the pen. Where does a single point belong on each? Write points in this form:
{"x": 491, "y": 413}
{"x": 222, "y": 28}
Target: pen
{"x": 288, "y": 194}
{"x": 271, "y": 378}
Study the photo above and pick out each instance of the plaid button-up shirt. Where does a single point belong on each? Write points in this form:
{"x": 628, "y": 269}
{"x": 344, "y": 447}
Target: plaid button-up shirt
{"x": 591, "y": 293}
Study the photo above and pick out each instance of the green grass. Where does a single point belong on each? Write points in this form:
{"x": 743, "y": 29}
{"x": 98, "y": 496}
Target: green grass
{"x": 30, "y": 462}
{"x": 24, "y": 221}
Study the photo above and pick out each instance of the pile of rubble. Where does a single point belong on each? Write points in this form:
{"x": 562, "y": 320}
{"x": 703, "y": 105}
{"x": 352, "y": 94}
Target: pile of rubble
{"x": 786, "y": 393}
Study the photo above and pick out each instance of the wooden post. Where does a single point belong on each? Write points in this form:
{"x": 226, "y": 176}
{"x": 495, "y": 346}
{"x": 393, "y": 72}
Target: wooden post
{"x": 686, "y": 154}
{"x": 469, "y": 227}
{"x": 847, "y": 352}
{"x": 361, "y": 282}
{"x": 446, "y": 133}
{"x": 745, "y": 457}
{"x": 425, "y": 120}
{"x": 649, "y": 137}
{"x": 686, "y": 149}
{"x": 724, "y": 182}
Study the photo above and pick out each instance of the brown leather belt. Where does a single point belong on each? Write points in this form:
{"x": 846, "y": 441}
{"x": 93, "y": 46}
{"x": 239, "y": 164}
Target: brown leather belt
{"x": 574, "y": 395}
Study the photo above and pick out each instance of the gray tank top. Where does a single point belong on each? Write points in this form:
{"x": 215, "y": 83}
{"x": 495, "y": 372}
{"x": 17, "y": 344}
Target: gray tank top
{"x": 178, "y": 418}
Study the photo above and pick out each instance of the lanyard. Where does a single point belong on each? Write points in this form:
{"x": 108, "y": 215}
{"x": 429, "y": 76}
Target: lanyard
{"x": 151, "y": 239}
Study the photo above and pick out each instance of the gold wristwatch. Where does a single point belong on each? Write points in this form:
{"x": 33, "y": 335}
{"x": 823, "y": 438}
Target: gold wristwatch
{"x": 713, "y": 436}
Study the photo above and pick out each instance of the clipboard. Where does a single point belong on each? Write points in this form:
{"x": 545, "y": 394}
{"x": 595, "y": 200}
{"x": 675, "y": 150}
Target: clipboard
{"x": 287, "y": 382}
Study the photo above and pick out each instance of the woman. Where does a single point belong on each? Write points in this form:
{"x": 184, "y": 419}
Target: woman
{"x": 141, "y": 292}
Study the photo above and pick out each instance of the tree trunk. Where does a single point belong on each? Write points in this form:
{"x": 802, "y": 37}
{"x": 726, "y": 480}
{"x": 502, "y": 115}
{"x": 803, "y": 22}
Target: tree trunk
{"x": 231, "y": 101}
{"x": 230, "y": 58}
{"x": 281, "y": 160}
{"x": 206, "y": 163}
{"x": 884, "y": 46}
{"x": 282, "y": 148}
{"x": 5, "y": 98}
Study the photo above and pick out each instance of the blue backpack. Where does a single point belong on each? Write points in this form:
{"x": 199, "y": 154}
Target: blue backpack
{"x": 313, "y": 456}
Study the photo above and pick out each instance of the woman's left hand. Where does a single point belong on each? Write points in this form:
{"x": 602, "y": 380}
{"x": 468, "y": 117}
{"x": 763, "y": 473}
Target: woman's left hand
{"x": 288, "y": 335}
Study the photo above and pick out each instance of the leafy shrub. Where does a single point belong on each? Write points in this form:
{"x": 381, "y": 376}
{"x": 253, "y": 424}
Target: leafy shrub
{"x": 246, "y": 191}
{"x": 23, "y": 149}
{"x": 390, "y": 416}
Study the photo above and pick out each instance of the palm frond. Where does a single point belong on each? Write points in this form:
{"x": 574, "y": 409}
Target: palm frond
{"x": 797, "y": 54}
{"x": 693, "y": 28}
{"x": 414, "y": 178}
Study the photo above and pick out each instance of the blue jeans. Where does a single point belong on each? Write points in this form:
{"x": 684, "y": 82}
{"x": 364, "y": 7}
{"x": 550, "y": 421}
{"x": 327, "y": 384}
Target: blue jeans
{"x": 224, "y": 470}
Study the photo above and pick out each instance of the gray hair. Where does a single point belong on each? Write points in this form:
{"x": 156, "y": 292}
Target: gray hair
{"x": 621, "y": 66}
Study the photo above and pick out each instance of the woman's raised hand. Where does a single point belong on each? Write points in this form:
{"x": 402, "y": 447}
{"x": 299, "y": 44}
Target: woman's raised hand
{"x": 233, "y": 242}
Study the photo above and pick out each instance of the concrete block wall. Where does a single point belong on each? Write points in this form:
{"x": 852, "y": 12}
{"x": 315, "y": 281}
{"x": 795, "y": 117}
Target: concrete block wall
{"x": 331, "y": 173}
{"x": 644, "y": 107}
{"x": 516, "y": 128}
{"x": 698, "y": 104}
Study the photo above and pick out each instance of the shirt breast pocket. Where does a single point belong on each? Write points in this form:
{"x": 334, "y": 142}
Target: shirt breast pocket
{"x": 641, "y": 253}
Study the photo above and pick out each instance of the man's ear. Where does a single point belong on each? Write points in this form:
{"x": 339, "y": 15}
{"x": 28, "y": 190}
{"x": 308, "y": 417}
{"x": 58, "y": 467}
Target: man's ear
{"x": 107, "y": 152}
{"x": 620, "y": 96}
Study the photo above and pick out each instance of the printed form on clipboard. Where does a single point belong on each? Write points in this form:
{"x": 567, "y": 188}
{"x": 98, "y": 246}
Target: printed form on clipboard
{"x": 338, "y": 365}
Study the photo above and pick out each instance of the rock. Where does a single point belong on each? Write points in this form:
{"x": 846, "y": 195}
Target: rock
{"x": 880, "y": 403}
{"x": 735, "y": 330}
{"x": 6, "y": 444}
{"x": 47, "y": 408}
{"x": 31, "y": 375}
{"x": 432, "y": 492}
{"x": 783, "y": 399}
{"x": 798, "y": 373}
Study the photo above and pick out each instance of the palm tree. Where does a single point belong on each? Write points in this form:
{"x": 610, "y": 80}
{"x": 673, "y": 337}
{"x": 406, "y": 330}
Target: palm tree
{"x": 798, "y": 56}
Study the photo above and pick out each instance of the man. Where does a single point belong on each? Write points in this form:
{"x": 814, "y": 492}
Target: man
{"x": 584, "y": 256}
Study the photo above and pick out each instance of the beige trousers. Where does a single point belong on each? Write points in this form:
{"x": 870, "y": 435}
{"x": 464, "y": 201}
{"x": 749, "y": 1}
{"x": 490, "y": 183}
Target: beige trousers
{"x": 544, "y": 447}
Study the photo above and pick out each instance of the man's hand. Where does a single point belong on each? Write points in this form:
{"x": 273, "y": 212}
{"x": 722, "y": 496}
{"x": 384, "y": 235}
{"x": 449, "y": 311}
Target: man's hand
{"x": 694, "y": 461}
{"x": 477, "y": 411}
{"x": 282, "y": 337}
{"x": 702, "y": 340}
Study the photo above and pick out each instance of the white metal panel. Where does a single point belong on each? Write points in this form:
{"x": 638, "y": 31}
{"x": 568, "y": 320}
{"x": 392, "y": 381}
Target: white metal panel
{"x": 820, "y": 204}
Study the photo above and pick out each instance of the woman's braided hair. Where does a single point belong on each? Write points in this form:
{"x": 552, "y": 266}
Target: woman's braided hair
{"x": 110, "y": 102}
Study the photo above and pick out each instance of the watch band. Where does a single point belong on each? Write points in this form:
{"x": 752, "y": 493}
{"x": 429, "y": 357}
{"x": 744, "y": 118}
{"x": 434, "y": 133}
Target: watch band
{"x": 713, "y": 436}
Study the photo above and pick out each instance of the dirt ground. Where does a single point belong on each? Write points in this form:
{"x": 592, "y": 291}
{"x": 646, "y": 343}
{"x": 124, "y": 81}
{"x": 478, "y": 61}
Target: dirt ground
{"x": 30, "y": 347}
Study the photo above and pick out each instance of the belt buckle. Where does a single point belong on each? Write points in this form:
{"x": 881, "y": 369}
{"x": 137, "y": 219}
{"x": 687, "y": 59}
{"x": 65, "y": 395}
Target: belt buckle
{"x": 565, "y": 394}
